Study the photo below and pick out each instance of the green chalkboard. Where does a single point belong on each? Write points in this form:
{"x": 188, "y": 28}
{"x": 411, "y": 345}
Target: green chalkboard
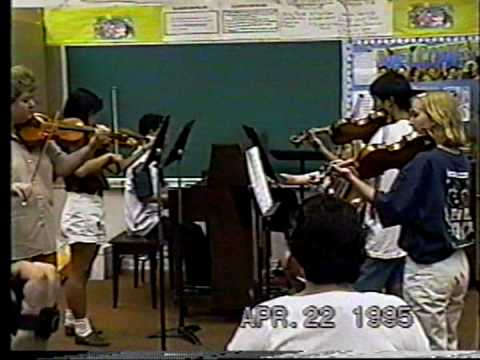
{"x": 277, "y": 88}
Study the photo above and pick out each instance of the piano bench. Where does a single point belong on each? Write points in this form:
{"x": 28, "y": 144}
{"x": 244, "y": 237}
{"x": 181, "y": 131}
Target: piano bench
{"x": 125, "y": 244}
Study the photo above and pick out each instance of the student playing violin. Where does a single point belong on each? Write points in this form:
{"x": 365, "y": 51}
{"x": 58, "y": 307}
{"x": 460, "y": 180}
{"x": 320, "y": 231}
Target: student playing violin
{"x": 83, "y": 218}
{"x": 430, "y": 199}
{"x": 33, "y": 234}
{"x": 383, "y": 268}
{"x": 32, "y": 170}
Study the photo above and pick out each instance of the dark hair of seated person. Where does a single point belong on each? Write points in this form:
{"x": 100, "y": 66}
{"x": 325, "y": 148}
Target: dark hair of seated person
{"x": 149, "y": 122}
{"x": 328, "y": 240}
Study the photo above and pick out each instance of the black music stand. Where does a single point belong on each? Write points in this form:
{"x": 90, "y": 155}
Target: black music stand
{"x": 156, "y": 155}
{"x": 184, "y": 332}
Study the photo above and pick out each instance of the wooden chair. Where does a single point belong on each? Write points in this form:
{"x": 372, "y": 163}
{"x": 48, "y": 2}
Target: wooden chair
{"x": 125, "y": 244}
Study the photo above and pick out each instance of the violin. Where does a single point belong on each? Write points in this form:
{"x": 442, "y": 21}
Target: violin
{"x": 71, "y": 130}
{"x": 374, "y": 160}
{"x": 346, "y": 130}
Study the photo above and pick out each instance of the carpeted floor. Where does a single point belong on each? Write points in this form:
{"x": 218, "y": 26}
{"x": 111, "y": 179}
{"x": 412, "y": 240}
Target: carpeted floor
{"x": 128, "y": 326}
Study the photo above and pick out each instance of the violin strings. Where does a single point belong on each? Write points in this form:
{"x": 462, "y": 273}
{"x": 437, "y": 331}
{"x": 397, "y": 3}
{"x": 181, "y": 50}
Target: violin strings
{"x": 43, "y": 150}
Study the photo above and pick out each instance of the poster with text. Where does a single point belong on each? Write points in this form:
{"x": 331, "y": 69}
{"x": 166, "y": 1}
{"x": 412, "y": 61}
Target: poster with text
{"x": 443, "y": 63}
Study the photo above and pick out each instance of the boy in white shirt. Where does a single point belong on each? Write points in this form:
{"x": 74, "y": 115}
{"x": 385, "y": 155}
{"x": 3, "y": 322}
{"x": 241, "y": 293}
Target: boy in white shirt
{"x": 328, "y": 242}
{"x": 142, "y": 216}
{"x": 383, "y": 267}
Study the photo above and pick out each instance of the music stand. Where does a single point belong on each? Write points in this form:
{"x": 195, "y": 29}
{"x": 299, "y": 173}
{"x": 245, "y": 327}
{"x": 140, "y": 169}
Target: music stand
{"x": 266, "y": 208}
{"x": 186, "y": 333}
{"x": 255, "y": 140}
{"x": 158, "y": 143}
{"x": 155, "y": 154}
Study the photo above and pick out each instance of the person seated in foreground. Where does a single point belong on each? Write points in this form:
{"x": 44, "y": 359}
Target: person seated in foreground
{"x": 328, "y": 242}
{"x": 34, "y": 314}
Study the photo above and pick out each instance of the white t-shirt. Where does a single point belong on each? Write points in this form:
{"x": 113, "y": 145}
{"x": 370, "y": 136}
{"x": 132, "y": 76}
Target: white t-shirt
{"x": 382, "y": 242}
{"x": 140, "y": 217}
{"x": 338, "y": 330}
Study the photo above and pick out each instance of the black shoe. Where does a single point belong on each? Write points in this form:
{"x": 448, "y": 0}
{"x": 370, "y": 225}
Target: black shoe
{"x": 70, "y": 330}
{"x": 93, "y": 339}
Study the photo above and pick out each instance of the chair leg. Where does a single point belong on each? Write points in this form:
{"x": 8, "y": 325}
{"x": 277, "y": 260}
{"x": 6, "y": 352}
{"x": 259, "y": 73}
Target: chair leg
{"x": 171, "y": 265}
{"x": 116, "y": 269}
{"x": 135, "y": 271}
{"x": 142, "y": 271}
{"x": 153, "y": 277}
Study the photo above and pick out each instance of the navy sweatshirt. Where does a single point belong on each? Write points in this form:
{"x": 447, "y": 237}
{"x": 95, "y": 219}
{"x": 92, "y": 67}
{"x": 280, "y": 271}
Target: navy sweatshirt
{"x": 430, "y": 199}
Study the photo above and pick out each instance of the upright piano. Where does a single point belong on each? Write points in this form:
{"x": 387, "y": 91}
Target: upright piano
{"x": 222, "y": 201}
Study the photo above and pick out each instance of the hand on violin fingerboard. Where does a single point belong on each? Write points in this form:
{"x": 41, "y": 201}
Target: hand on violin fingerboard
{"x": 100, "y": 138}
{"x": 115, "y": 160}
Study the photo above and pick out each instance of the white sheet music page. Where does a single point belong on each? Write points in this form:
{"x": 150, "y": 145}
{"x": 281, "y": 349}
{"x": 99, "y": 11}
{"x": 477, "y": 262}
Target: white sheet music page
{"x": 258, "y": 179}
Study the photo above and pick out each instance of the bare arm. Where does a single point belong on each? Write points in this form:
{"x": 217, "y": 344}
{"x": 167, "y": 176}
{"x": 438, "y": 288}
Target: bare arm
{"x": 124, "y": 164}
{"x": 323, "y": 149}
{"x": 65, "y": 164}
{"x": 365, "y": 190}
{"x": 134, "y": 156}
{"x": 95, "y": 166}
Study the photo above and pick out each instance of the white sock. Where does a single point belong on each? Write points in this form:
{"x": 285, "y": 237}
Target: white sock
{"x": 69, "y": 318}
{"x": 83, "y": 327}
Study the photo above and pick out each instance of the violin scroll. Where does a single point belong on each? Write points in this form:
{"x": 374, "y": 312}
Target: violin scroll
{"x": 346, "y": 130}
{"x": 306, "y": 136}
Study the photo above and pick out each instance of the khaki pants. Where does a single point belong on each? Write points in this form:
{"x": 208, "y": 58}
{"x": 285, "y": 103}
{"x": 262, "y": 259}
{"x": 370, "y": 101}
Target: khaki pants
{"x": 436, "y": 294}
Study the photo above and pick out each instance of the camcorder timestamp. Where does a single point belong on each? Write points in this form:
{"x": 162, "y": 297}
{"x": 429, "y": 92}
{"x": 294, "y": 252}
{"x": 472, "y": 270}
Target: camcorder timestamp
{"x": 323, "y": 317}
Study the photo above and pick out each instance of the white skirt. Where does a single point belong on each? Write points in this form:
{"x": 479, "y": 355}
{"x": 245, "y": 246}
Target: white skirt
{"x": 83, "y": 219}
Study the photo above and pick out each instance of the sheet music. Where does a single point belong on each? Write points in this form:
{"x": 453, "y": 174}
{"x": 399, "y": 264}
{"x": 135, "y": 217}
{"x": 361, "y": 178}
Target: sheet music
{"x": 258, "y": 180}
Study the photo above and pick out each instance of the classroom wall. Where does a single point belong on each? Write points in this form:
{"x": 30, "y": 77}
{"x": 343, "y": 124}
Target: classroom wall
{"x": 28, "y": 48}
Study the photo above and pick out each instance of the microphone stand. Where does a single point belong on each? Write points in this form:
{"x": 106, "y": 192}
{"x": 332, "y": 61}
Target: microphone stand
{"x": 185, "y": 332}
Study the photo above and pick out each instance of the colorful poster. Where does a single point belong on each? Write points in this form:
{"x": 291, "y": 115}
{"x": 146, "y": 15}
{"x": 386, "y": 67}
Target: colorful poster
{"x": 420, "y": 60}
{"x": 455, "y": 59}
{"x": 414, "y": 18}
{"x": 440, "y": 63}
{"x": 104, "y": 26}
